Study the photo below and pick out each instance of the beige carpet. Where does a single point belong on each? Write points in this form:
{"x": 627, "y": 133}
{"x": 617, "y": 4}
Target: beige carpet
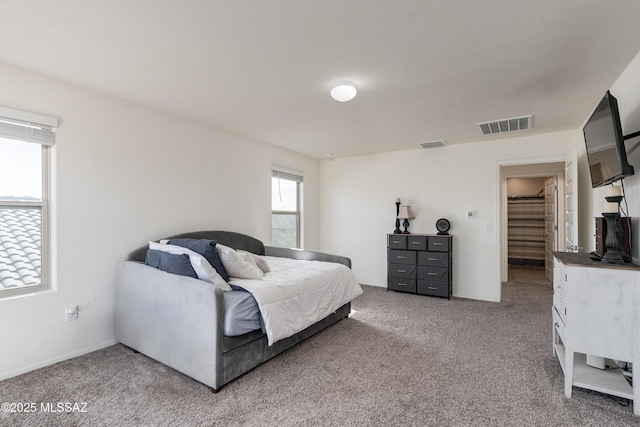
{"x": 399, "y": 360}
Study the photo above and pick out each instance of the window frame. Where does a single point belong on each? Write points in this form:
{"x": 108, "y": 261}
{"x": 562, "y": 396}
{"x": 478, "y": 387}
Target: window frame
{"x": 296, "y": 177}
{"x": 39, "y": 129}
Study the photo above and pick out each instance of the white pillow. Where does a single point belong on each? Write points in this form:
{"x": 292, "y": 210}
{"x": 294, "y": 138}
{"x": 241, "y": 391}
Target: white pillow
{"x": 203, "y": 269}
{"x": 246, "y": 257}
{"x": 258, "y": 261}
{"x": 235, "y": 265}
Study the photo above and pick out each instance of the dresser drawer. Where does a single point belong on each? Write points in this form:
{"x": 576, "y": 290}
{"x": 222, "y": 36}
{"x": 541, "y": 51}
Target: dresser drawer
{"x": 417, "y": 243}
{"x": 439, "y": 244}
{"x": 401, "y": 257}
{"x": 402, "y": 284}
{"x": 434, "y": 259}
{"x": 559, "y": 325}
{"x": 395, "y": 241}
{"x": 438, "y": 289}
{"x": 402, "y": 270}
{"x": 436, "y": 274}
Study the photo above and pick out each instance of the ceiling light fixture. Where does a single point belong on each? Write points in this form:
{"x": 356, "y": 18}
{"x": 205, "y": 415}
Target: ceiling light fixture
{"x": 344, "y": 92}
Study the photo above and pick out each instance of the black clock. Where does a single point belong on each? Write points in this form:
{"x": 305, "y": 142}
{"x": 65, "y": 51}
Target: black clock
{"x": 443, "y": 225}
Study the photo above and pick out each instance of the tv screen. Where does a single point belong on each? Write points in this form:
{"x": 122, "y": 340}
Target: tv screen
{"x": 605, "y": 144}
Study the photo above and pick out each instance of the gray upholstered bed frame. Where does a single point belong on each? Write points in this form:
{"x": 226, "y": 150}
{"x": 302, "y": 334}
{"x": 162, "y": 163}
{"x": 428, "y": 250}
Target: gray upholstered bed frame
{"x": 178, "y": 320}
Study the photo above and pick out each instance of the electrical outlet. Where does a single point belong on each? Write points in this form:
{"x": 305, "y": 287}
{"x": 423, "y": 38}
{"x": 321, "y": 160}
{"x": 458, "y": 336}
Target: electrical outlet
{"x": 72, "y": 313}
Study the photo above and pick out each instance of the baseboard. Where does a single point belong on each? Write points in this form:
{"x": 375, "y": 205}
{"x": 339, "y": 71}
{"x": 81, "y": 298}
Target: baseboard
{"x": 24, "y": 370}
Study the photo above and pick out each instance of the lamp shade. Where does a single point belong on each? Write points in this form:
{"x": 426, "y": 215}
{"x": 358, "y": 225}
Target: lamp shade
{"x": 405, "y": 212}
{"x": 344, "y": 92}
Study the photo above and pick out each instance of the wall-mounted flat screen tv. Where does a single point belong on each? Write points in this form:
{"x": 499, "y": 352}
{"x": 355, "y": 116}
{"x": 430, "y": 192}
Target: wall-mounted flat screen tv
{"x": 605, "y": 144}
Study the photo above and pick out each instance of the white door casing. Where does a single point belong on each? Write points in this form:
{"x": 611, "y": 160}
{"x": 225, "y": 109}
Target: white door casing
{"x": 571, "y": 203}
{"x": 550, "y": 224}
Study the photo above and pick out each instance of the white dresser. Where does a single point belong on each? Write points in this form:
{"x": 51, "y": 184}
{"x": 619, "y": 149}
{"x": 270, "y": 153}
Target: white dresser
{"x": 596, "y": 311}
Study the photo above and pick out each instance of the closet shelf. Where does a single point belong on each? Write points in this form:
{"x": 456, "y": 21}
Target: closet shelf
{"x": 526, "y": 230}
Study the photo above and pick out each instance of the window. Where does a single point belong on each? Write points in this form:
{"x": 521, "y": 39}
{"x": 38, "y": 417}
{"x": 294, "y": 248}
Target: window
{"x": 286, "y": 194}
{"x": 25, "y": 139}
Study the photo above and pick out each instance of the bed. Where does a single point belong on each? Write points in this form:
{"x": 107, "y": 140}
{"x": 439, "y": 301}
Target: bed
{"x": 215, "y": 335}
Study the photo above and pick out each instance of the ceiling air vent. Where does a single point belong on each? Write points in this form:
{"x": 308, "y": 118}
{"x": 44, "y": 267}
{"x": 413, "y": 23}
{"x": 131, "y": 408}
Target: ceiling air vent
{"x": 506, "y": 125}
{"x": 432, "y": 144}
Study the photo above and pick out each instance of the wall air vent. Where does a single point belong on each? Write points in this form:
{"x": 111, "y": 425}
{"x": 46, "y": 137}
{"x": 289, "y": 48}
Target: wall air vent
{"x": 506, "y": 125}
{"x": 432, "y": 144}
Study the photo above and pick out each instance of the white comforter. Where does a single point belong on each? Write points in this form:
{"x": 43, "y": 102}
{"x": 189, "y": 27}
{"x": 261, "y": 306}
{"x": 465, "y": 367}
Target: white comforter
{"x": 296, "y": 294}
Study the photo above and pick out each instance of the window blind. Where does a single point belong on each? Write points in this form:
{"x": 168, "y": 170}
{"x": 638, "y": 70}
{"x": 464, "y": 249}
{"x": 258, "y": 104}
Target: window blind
{"x": 26, "y": 126}
{"x": 287, "y": 174}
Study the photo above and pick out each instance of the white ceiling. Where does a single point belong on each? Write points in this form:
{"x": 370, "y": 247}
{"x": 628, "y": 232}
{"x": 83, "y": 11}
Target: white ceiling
{"x": 426, "y": 69}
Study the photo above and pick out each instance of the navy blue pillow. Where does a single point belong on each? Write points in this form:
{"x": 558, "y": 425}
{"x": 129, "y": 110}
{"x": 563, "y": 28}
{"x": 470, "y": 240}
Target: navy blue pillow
{"x": 206, "y": 248}
{"x": 171, "y": 263}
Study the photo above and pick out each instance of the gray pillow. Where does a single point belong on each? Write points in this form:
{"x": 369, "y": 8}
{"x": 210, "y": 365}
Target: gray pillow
{"x": 171, "y": 263}
{"x": 206, "y": 248}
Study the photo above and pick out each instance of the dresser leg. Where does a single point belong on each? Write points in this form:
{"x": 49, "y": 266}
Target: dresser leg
{"x": 636, "y": 388}
{"x": 568, "y": 372}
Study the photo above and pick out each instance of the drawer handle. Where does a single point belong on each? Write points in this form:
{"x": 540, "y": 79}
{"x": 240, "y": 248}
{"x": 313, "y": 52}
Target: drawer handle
{"x": 432, "y": 287}
{"x": 402, "y": 271}
{"x": 415, "y": 243}
{"x": 437, "y": 244}
{"x": 432, "y": 274}
{"x": 397, "y": 241}
{"x": 402, "y": 257}
{"x": 432, "y": 259}
{"x": 402, "y": 284}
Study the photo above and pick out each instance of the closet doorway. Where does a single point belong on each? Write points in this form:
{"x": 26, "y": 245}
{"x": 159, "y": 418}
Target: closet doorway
{"x": 532, "y": 222}
{"x": 532, "y": 214}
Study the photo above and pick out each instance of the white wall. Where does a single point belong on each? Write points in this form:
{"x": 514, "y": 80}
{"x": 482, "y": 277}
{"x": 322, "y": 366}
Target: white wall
{"x": 627, "y": 90}
{"x": 122, "y": 175}
{"x": 357, "y": 207}
{"x": 524, "y": 186}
